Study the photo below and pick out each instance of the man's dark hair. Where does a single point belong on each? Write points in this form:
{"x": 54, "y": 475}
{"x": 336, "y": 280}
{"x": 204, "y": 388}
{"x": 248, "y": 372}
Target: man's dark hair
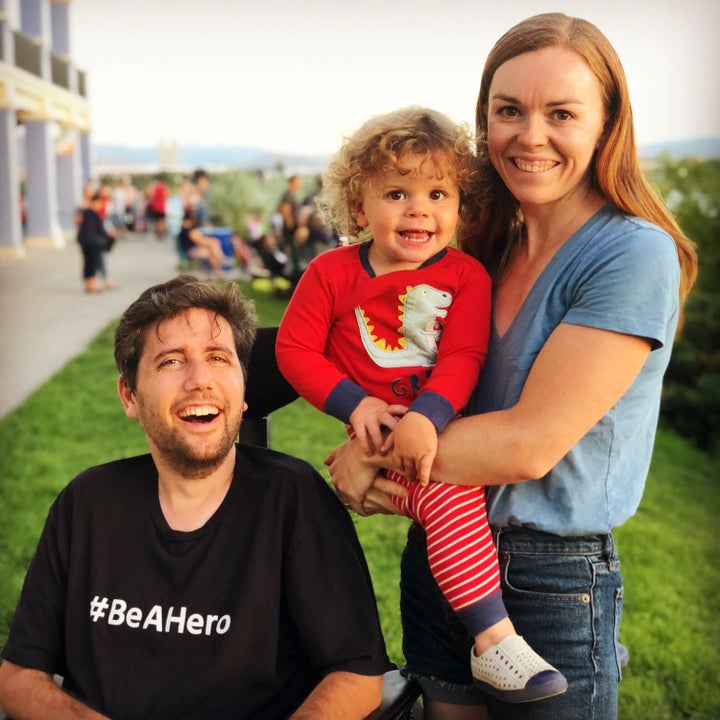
{"x": 170, "y": 299}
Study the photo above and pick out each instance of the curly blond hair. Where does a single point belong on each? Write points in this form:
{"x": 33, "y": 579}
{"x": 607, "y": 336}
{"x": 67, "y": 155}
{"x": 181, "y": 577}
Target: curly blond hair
{"x": 379, "y": 144}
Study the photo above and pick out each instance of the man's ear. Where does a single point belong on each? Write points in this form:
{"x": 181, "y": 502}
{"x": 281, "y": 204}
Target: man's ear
{"x": 127, "y": 398}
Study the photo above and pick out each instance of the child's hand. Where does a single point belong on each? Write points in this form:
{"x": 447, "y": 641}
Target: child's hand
{"x": 415, "y": 445}
{"x": 368, "y": 420}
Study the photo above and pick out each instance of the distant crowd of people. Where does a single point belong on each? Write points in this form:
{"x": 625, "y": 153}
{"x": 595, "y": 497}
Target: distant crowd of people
{"x": 279, "y": 248}
{"x": 298, "y": 232}
{"x": 109, "y": 209}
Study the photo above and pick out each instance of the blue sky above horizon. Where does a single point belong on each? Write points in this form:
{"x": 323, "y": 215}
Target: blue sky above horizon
{"x": 297, "y": 76}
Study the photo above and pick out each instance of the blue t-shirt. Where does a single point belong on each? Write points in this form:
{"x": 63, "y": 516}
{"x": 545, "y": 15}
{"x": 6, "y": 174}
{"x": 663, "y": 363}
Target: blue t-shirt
{"x": 617, "y": 273}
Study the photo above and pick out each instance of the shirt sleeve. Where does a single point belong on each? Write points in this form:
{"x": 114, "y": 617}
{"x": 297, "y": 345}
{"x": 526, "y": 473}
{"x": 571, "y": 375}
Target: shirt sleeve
{"x": 329, "y": 590}
{"x": 631, "y": 286}
{"x": 302, "y": 339}
{"x": 36, "y": 634}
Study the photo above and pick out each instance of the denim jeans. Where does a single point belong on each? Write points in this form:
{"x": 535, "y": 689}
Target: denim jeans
{"x": 564, "y": 596}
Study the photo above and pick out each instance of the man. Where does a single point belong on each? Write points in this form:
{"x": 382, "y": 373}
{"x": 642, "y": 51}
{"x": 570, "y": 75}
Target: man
{"x": 206, "y": 579}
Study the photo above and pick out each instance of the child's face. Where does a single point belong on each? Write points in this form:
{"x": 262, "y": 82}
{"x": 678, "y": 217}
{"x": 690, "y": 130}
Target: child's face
{"x": 412, "y": 214}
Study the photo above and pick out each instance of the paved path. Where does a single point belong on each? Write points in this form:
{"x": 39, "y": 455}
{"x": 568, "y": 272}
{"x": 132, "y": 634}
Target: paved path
{"x": 47, "y": 319}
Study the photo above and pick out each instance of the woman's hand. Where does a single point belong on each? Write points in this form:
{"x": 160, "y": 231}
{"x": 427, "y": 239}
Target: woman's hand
{"x": 377, "y": 500}
{"x": 353, "y": 474}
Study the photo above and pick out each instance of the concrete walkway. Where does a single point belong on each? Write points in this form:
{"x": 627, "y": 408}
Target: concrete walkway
{"x": 46, "y": 318}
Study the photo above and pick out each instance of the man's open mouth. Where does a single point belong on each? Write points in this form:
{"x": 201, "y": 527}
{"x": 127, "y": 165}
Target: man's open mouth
{"x": 200, "y": 414}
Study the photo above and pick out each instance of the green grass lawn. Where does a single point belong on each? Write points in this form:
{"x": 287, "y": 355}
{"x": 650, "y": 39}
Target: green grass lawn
{"x": 668, "y": 551}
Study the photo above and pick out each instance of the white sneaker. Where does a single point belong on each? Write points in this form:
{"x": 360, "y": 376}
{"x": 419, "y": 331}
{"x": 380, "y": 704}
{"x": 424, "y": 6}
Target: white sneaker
{"x": 513, "y": 672}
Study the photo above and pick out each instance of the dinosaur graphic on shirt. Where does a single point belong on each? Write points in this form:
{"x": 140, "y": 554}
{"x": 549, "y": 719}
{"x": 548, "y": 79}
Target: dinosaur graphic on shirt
{"x": 420, "y": 313}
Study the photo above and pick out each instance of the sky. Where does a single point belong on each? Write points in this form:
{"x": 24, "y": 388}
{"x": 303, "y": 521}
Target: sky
{"x": 297, "y": 76}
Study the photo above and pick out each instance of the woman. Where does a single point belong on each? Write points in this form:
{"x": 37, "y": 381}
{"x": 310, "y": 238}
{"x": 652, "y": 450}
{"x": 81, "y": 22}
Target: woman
{"x": 590, "y": 270}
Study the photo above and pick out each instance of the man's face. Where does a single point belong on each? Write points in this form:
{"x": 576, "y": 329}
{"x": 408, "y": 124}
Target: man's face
{"x": 189, "y": 395}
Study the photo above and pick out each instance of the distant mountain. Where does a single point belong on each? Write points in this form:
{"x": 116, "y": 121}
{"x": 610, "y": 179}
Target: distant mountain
{"x": 195, "y": 156}
{"x": 188, "y": 157}
{"x": 236, "y": 156}
{"x": 707, "y": 147}
{"x": 112, "y": 154}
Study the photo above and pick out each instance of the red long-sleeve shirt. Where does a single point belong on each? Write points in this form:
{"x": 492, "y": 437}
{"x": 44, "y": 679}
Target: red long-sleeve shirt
{"x": 412, "y": 337}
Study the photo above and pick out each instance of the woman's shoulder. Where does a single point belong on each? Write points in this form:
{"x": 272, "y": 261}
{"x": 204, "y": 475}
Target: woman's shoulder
{"x": 618, "y": 224}
{"x": 612, "y": 233}
{"x": 616, "y": 249}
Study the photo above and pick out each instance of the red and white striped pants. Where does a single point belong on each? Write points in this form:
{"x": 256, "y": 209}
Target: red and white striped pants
{"x": 460, "y": 547}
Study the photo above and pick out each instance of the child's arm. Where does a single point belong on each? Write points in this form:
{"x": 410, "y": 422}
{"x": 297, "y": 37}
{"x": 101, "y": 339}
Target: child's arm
{"x": 301, "y": 342}
{"x": 368, "y": 420}
{"x": 414, "y": 441}
{"x": 300, "y": 351}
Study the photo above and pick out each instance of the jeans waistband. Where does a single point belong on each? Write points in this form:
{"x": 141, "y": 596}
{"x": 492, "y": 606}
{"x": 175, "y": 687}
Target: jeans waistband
{"x": 521, "y": 539}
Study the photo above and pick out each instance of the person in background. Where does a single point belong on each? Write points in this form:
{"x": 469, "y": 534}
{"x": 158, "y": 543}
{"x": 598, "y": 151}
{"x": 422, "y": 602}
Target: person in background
{"x": 590, "y": 270}
{"x": 184, "y": 583}
{"x": 321, "y": 236}
{"x": 131, "y": 204}
{"x": 401, "y": 322}
{"x": 193, "y": 244}
{"x": 178, "y": 203}
{"x": 94, "y": 240}
{"x": 156, "y": 207}
{"x": 201, "y": 183}
{"x": 293, "y": 236}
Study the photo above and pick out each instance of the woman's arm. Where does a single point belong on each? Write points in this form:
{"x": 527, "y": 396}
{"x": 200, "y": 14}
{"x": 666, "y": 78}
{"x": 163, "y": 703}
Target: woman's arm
{"x": 580, "y": 373}
{"x": 578, "y": 376}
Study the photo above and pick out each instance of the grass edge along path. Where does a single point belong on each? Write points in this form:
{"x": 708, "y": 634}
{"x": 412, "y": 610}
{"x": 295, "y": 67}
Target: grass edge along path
{"x": 668, "y": 550}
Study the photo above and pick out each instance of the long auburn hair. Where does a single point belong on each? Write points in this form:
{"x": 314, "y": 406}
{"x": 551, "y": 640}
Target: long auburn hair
{"x": 615, "y": 170}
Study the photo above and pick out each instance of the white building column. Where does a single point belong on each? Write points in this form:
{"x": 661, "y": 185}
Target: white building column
{"x": 69, "y": 186}
{"x": 86, "y": 158}
{"x": 41, "y": 206}
{"x": 35, "y": 23}
{"x": 11, "y": 244}
{"x": 7, "y": 39}
{"x": 60, "y": 27}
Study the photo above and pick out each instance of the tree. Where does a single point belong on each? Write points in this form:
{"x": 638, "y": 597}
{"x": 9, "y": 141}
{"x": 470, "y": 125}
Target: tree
{"x": 691, "y": 397}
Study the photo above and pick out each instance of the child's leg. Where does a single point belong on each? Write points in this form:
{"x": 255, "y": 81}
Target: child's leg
{"x": 463, "y": 561}
{"x": 461, "y": 554}
{"x": 460, "y": 547}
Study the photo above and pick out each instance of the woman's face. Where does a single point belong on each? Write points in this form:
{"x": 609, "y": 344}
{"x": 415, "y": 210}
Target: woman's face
{"x": 545, "y": 119}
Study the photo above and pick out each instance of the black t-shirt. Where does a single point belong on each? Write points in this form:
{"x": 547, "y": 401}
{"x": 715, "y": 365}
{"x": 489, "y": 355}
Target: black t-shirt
{"x": 91, "y": 233}
{"x": 238, "y": 619}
